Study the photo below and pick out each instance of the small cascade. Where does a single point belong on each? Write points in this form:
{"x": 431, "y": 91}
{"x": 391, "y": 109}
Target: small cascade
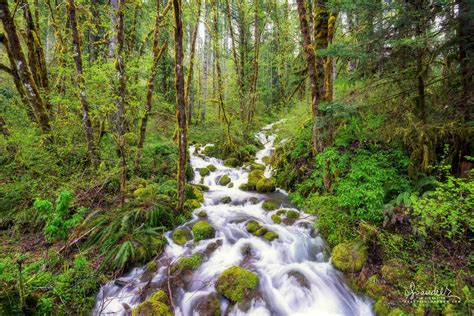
{"x": 295, "y": 275}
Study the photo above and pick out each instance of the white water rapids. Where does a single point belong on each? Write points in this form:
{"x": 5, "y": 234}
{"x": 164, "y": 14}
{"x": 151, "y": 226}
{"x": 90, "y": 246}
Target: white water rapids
{"x": 295, "y": 276}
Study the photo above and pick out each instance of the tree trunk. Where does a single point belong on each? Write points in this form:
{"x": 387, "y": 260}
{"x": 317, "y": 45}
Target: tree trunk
{"x": 180, "y": 105}
{"x": 466, "y": 55}
{"x": 311, "y": 64}
{"x": 321, "y": 19}
{"x": 157, "y": 52}
{"x": 206, "y": 63}
{"x": 24, "y": 73}
{"x": 80, "y": 83}
{"x": 329, "y": 62}
{"x": 191, "y": 63}
{"x": 256, "y": 52}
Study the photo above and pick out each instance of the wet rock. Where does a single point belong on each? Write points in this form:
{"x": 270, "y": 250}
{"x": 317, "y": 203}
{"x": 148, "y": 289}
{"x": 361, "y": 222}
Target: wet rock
{"x": 120, "y": 282}
{"x": 349, "y": 256}
{"x": 202, "y": 214}
{"x": 187, "y": 263}
{"x": 292, "y": 214}
{"x": 155, "y": 305}
{"x": 261, "y": 231}
{"x": 281, "y": 212}
{"x": 254, "y": 177}
{"x": 211, "y": 247}
{"x": 269, "y": 205}
{"x": 181, "y": 236}
{"x": 208, "y": 305}
{"x": 300, "y": 278}
{"x": 288, "y": 221}
{"x": 276, "y": 219}
{"x": 203, "y": 187}
{"x": 244, "y": 187}
{"x": 224, "y": 180}
{"x": 270, "y": 235}
{"x": 252, "y": 226}
{"x": 203, "y": 230}
{"x": 204, "y": 172}
{"x": 149, "y": 272}
{"x": 231, "y": 185}
{"x": 231, "y": 162}
{"x": 305, "y": 225}
{"x": 226, "y": 200}
{"x": 254, "y": 200}
{"x": 265, "y": 185}
{"x": 257, "y": 166}
{"x": 236, "y": 283}
{"x": 246, "y": 250}
{"x": 211, "y": 168}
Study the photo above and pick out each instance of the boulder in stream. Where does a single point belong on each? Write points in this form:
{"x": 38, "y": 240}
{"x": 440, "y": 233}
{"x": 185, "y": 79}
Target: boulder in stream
{"x": 156, "y": 304}
{"x": 204, "y": 172}
{"x": 187, "y": 263}
{"x": 224, "y": 180}
{"x": 208, "y": 305}
{"x": 226, "y": 200}
{"x": 269, "y": 205}
{"x": 211, "y": 167}
{"x": 203, "y": 230}
{"x": 236, "y": 283}
{"x": 266, "y": 185}
{"x": 181, "y": 236}
{"x": 231, "y": 162}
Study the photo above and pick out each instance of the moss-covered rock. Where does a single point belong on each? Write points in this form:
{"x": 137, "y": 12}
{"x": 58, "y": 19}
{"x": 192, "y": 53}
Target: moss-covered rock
{"x": 261, "y": 231}
{"x": 373, "y": 287}
{"x": 202, "y": 213}
{"x": 231, "y": 162}
{"x": 252, "y": 226}
{"x": 155, "y": 305}
{"x": 267, "y": 160}
{"x": 192, "y": 204}
{"x": 203, "y": 230}
{"x": 266, "y": 185}
{"x": 254, "y": 177}
{"x": 226, "y": 200}
{"x": 276, "y": 219}
{"x": 204, "y": 172}
{"x": 254, "y": 200}
{"x": 203, "y": 187}
{"x": 281, "y": 212}
{"x": 244, "y": 187}
{"x": 269, "y": 205}
{"x": 270, "y": 235}
{"x": 209, "y": 305}
{"x": 292, "y": 214}
{"x": 394, "y": 272}
{"x": 257, "y": 166}
{"x": 180, "y": 236}
{"x": 224, "y": 180}
{"x": 349, "y": 256}
{"x": 236, "y": 283}
{"x": 187, "y": 263}
{"x": 211, "y": 168}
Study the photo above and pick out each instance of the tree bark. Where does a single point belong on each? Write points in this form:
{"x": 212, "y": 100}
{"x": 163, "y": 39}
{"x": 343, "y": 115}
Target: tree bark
{"x": 80, "y": 83}
{"x": 24, "y": 73}
{"x": 256, "y": 52}
{"x": 466, "y": 55}
{"x": 180, "y": 105}
{"x": 206, "y": 63}
{"x": 311, "y": 64}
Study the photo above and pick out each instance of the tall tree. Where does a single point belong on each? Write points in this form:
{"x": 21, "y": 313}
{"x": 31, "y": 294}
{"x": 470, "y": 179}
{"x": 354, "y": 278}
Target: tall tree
{"x": 80, "y": 82}
{"x": 180, "y": 104}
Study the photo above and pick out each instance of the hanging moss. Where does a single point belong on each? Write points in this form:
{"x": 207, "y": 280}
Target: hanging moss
{"x": 235, "y": 283}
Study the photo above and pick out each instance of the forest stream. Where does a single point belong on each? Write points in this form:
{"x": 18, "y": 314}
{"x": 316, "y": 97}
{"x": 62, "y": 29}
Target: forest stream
{"x": 294, "y": 271}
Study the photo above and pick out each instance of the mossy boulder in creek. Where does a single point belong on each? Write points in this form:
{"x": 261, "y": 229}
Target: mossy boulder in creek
{"x": 252, "y": 226}
{"x": 231, "y": 162}
{"x": 267, "y": 160}
{"x": 270, "y": 235}
{"x": 202, "y": 214}
{"x": 156, "y": 304}
{"x": 226, "y": 200}
{"x": 203, "y": 230}
{"x": 276, "y": 219}
{"x": 208, "y": 305}
{"x": 349, "y": 256}
{"x": 211, "y": 167}
{"x": 192, "y": 204}
{"x": 224, "y": 180}
{"x": 204, "y": 172}
{"x": 236, "y": 283}
{"x": 180, "y": 236}
{"x": 244, "y": 187}
{"x": 269, "y": 205}
{"x": 292, "y": 214}
{"x": 257, "y": 166}
{"x": 254, "y": 177}
{"x": 187, "y": 263}
{"x": 261, "y": 231}
{"x": 266, "y": 185}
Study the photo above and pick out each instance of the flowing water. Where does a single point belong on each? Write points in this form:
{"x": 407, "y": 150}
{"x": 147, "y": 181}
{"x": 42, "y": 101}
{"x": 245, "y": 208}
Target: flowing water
{"x": 295, "y": 275}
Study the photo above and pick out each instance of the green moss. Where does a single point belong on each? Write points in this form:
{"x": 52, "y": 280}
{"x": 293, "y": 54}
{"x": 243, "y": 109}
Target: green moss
{"x": 198, "y": 195}
{"x": 244, "y": 187}
{"x": 267, "y": 160}
{"x": 226, "y": 200}
{"x": 202, "y": 214}
{"x": 276, "y": 219}
{"x": 203, "y": 230}
{"x": 261, "y": 231}
{"x": 231, "y": 162}
{"x": 270, "y": 235}
{"x": 396, "y": 312}
{"x": 394, "y": 272}
{"x": 203, "y": 187}
{"x": 211, "y": 167}
{"x": 204, "y": 172}
{"x": 281, "y": 212}
{"x": 373, "y": 287}
{"x": 224, "y": 180}
{"x": 349, "y": 256}
{"x": 269, "y": 205}
{"x": 209, "y": 305}
{"x": 252, "y": 226}
{"x": 192, "y": 204}
{"x": 187, "y": 263}
{"x": 180, "y": 236}
{"x": 254, "y": 177}
{"x": 155, "y": 305}
{"x": 381, "y": 307}
{"x": 257, "y": 166}
{"x": 265, "y": 185}
{"x": 236, "y": 282}
{"x": 292, "y": 214}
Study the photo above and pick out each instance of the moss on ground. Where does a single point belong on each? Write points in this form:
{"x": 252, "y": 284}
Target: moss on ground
{"x": 349, "y": 256}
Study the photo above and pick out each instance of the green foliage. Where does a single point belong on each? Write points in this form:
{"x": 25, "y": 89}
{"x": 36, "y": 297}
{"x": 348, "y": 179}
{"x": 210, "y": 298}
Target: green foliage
{"x": 58, "y": 221}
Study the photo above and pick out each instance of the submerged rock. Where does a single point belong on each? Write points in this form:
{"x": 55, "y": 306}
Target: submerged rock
{"x": 254, "y": 200}
{"x": 208, "y": 305}
{"x": 349, "y": 256}
{"x": 300, "y": 278}
{"x": 226, "y": 200}
{"x": 203, "y": 230}
{"x": 235, "y": 283}
{"x": 156, "y": 304}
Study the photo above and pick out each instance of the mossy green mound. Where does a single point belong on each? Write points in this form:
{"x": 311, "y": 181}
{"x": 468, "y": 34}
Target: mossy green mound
{"x": 231, "y": 162}
{"x": 261, "y": 231}
{"x": 267, "y": 160}
{"x": 266, "y": 185}
{"x": 203, "y": 230}
{"x": 244, "y": 187}
{"x": 155, "y": 305}
{"x": 292, "y": 214}
{"x": 187, "y": 263}
{"x": 180, "y": 236}
{"x": 254, "y": 177}
{"x": 394, "y": 272}
{"x": 235, "y": 283}
{"x": 202, "y": 214}
{"x": 224, "y": 180}
{"x": 211, "y": 167}
{"x": 269, "y": 205}
{"x": 203, "y": 187}
{"x": 270, "y": 235}
{"x": 252, "y": 226}
{"x": 276, "y": 219}
{"x": 257, "y": 166}
{"x": 192, "y": 204}
{"x": 204, "y": 172}
{"x": 226, "y": 200}
{"x": 349, "y": 256}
